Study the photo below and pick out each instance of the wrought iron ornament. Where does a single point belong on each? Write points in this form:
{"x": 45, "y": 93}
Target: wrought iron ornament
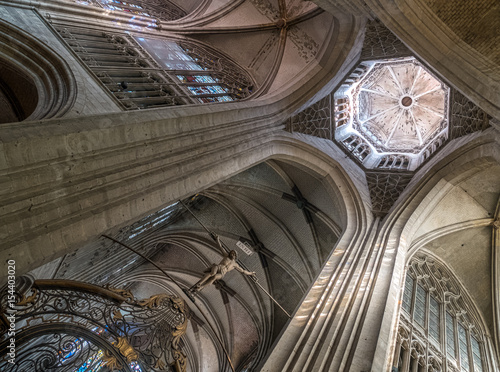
{"x": 65, "y": 325}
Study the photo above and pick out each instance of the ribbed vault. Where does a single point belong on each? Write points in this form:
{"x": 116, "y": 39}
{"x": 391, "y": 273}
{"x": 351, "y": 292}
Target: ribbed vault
{"x": 290, "y": 223}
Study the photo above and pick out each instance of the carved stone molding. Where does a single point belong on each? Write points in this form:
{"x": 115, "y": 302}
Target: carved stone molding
{"x": 316, "y": 120}
{"x": 465, "y": 116}
{"x": 381, "y": 43}
{"x": 44, "y": 76}
{"x": 496, "y": 224}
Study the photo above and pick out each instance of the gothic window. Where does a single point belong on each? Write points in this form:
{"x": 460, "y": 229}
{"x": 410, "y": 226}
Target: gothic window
{"x": 431, "y": 149}
{"x": 450, "y": 336}
{"x": 408, "y": 294}
{"x": 153, "y": 221}
{"x": 394, "y": 162}
{"x": 342, "y": 111}
{"x": 208, "y": 77}
{"x": 162, "y": 10}
{"x": 434, "y": 318}
{"x": 146, "y": 73}
{"x": 420, "y": 306}
{"x": 433, "y": 300}
{"x": 476, "y": 355}
{"x": 357, "y": 147}
{"x": 462, "y": 341}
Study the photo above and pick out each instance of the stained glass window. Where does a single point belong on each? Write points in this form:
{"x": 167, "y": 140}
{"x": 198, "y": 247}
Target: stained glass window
{"x": 450, "y": 336}
{"x": 434, "y": 318}
{"x": 163, "y": 10}
{"x": 153, "y": 220}
{"x": 151, "y": 72}
{"x": 420, "y": 304}
{"x": 462, "y": 342}
{"x": 134, "y": 366}
{"x": 93, "y": 364}
{"x": 476, "y": 355}
{"x": 408, "y": 294}
{"x": 205, "y": 76}
{"x": 446, "y": 329}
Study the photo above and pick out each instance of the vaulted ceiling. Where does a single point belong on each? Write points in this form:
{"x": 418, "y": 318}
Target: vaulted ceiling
{"x": 274, "y": 40}
{"x": 291, "y": 222}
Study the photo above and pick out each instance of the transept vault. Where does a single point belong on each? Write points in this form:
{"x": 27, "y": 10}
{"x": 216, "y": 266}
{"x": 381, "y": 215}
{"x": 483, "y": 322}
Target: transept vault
{"x": 249, "y": 185}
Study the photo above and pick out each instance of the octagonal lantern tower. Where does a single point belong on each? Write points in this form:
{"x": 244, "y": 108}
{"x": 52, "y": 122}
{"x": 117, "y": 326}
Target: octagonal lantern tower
{"x": 391, "y": 113}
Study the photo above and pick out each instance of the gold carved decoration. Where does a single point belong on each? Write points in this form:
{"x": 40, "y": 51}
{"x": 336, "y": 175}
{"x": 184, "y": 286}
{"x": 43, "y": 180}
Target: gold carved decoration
{"x": 122, "y": 292}
{"x": 153, "y": 301}
{"x": 24, "y": 301}
{"x": 159, "y": 322}
{"x": 110, "y": 361}
{"x": 117, "y": 315}
{"x": 180, "y": 363}
{"x": 126, "y": 349}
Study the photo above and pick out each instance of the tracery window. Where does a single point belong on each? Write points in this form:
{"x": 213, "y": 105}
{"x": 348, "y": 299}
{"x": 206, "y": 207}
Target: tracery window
{"x": 144, "y": 73}
{"x": 439, "y": 328}
{"x": 162, "y": 10}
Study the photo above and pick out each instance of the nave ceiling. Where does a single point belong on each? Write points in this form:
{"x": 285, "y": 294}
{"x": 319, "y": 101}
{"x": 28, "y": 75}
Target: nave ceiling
{"x": 290, "y": 220}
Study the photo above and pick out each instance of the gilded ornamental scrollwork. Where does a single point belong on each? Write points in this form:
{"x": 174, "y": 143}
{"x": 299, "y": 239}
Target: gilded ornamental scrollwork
{"x": 62, "y": 321}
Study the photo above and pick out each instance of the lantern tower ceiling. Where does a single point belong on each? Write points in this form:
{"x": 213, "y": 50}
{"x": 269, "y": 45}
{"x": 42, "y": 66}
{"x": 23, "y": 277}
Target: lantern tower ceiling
{"x": 394, "y": 107}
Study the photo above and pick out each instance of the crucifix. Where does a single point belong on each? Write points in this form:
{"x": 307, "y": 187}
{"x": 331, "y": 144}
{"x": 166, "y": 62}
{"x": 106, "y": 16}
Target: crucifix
{"x": 228, "y": 263}
{"x": 217, "y": 271}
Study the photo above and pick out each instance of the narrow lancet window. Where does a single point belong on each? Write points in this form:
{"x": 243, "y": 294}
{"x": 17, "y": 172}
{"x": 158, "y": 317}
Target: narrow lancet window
{"x": 434, "y": 319}
{"x": 420, "y": 302}
{"x": 450, "y": 336}
{"x": 408, "y": 294}
{"x": 464, "y": 355}
{"x": 476, "y": 355}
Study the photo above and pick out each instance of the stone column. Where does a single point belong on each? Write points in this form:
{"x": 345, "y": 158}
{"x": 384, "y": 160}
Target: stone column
{"x": 68, "y": 180}
{"x": 414, "y": 364}
{"x": 397, "y": 353}
{"x": 320, "y": 335}
{"x": 495, "y": 277}
{"x": 405, "y": 367}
